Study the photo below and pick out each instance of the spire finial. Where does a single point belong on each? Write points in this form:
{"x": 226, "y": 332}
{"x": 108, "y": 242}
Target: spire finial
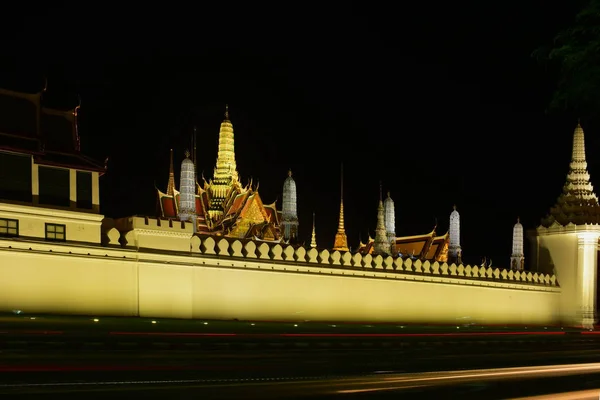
{"x": 187, "y": 154}
{"x": 454, "y": 207}
{"x": 518, "y": 220}
{"x": 226, "y": 111}
{"x": 290, "y": 172}
{"x": 171, "y": 182}
{"x": 380, "y": 191}
{"x": 388, "y": 194}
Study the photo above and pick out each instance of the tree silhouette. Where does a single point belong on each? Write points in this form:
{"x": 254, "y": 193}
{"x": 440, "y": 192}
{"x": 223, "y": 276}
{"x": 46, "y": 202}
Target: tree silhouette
{"x": 575, "y": 54}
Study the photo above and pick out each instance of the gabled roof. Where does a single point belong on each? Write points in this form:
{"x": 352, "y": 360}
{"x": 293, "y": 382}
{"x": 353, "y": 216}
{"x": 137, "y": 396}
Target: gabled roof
{"x": 28, "y": 127}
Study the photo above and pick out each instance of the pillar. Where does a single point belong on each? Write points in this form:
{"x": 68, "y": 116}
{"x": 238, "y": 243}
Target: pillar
{"x": 587, "y": 258}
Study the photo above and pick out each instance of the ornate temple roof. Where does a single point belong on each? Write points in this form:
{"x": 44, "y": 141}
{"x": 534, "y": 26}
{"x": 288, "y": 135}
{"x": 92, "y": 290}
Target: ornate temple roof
{"x": 577, "y": 204}
{"x": 50, "y": 135}
{"x": 427, "y": 246}
{"x": 223, "y": 206}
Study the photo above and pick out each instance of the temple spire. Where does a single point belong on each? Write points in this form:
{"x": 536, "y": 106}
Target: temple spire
{"x": 390, "y": 222}
{"x": 382, "y": 244}
{"x": 454, "y": 249}
{"x": 341, "y": 241}
{"x": 313, "y": 239}
{"x": 171, "y": 184}
{"x": 577, "y": 204}
{"x": 225, "y": 175}
{"x": 517, "y": 258}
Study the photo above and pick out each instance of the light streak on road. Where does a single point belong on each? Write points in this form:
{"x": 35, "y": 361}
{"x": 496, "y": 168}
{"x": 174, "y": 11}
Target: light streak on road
{"x": 457, "y": 377}
{"x": 593, "y": 394}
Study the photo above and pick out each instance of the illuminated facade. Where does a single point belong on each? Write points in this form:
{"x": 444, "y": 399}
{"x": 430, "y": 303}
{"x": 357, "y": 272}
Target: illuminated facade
{"x": 59, "y": 255}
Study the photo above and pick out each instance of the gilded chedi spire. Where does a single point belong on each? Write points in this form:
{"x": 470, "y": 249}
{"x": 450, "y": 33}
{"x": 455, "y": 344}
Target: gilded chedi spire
{"x": 225, "y": 175}
{"x": 289, "y": 209}
{"x": 171, "y": 184}
{"x": 313, "y": 238}
{"x": 382, "y": 244}
{"x": 577, "y": 204}
{"x": 341, "y": 241}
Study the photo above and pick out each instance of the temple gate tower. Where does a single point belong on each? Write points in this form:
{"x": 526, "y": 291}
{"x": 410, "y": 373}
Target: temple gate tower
{"x": 566, "y": 242}
{"x": 517, "y": 258}
{"x": 454, "y": 249}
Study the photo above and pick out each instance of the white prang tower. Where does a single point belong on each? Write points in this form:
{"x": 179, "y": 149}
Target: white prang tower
{"x": 454, "y": 249}
{"x": 390, "y": 222}
{"x": 517, "y": 258}
{"x": 289, "y": 209}
{"x": 187, "y": 196}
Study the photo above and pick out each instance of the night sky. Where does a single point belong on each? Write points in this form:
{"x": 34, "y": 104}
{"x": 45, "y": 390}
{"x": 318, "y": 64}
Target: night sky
{"x": 441, "y": 103}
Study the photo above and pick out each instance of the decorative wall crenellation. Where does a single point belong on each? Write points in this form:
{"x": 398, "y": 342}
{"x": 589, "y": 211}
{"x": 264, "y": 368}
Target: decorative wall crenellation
{"x": 275, "y": 252}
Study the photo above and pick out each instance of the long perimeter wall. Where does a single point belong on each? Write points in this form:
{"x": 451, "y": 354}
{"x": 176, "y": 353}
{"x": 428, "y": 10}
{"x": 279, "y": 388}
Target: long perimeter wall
{"x": 248, "y": 280}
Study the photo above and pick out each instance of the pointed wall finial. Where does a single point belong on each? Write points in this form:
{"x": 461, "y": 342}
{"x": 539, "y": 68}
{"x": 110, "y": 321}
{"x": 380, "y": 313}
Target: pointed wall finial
{"x": 313, "y": 239}
{"x": 388, "y": 194}
{"x": 171, "y": 183}
{"x": 45, "y": 84}
{"x": 226, "y": 111}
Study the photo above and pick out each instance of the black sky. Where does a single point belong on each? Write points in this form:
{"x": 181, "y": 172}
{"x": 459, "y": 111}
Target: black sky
{"x": 442, "y": 103}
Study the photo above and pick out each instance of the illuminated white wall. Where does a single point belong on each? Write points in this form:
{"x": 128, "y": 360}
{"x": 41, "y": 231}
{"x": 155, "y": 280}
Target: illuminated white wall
{"x": 80, "y": 226}
{"x": 572, "y": 252}
{"x": 40, "y": 281}
{"x": 113, "y": 281}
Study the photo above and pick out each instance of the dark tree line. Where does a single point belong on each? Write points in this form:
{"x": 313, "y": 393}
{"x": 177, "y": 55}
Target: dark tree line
{"x": 574, "y": 56}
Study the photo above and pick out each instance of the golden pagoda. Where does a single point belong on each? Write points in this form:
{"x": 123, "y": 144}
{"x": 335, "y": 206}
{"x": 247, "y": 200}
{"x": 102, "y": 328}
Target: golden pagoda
{"x": 341, "y": 241}
{"x": 223, "y": 206}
